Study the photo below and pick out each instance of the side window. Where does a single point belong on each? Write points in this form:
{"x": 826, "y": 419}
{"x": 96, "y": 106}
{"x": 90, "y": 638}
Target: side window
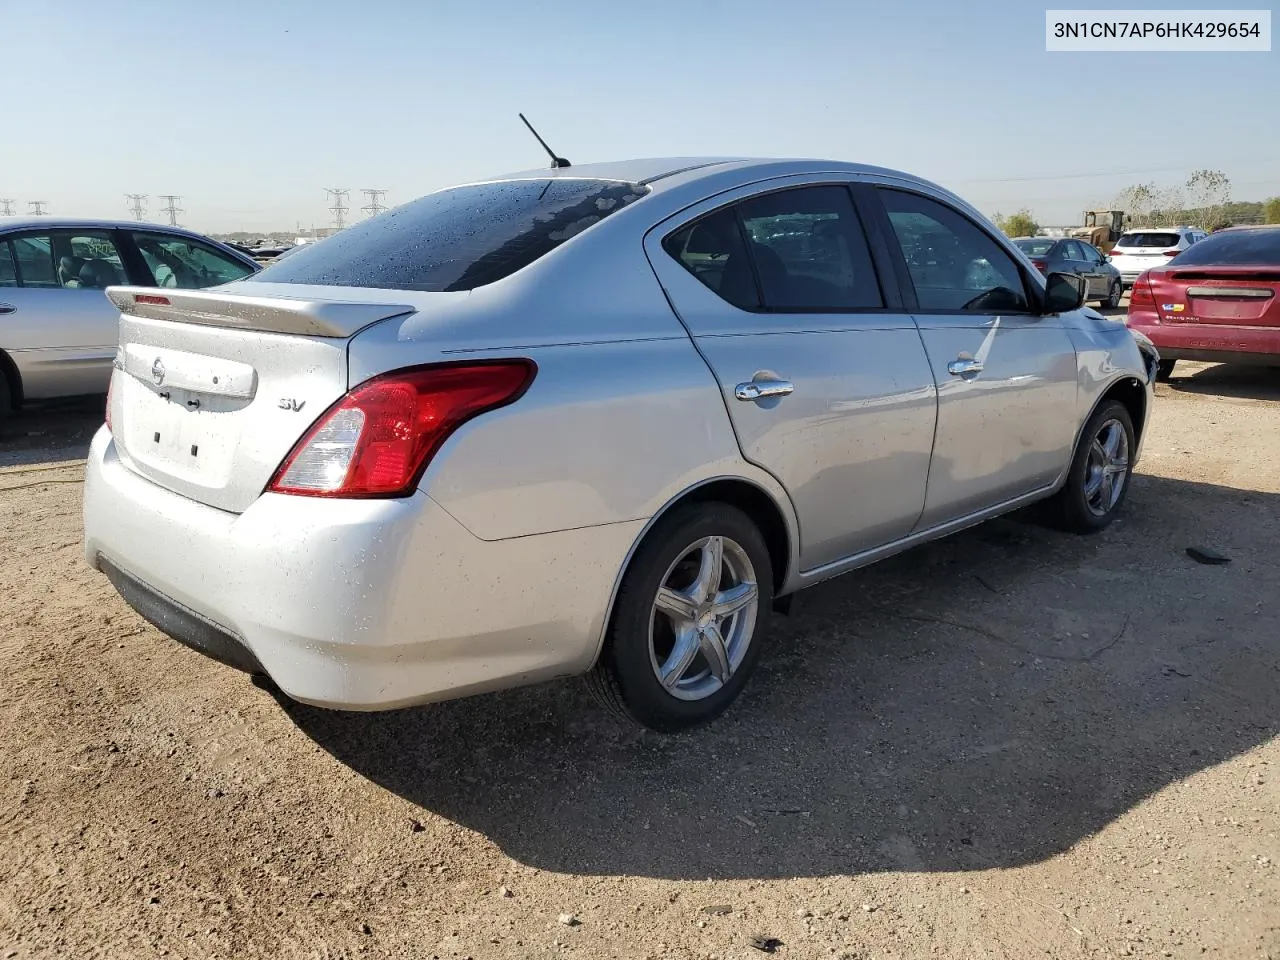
{"x": 713, "y": 250}
{"x": 8, "y": 270}
{"x": 186, "y": 264}
{"x": 88, "y": 260}
{"x": 33, "y": 256}
{"x": 1075, "y": 251}
{"x": 1091, "y": 252}
{"x": 953, "y": 264}
{"x": 810, "y": 250}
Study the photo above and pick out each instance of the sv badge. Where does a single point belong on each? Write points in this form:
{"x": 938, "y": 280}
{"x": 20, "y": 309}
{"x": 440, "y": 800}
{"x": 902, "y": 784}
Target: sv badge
{"x": 289, "y": 403}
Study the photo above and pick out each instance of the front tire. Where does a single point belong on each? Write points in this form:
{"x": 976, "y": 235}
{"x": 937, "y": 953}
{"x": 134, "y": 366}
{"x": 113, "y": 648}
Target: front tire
{"x": 1114, "y": 297}
{"x": 6, "y": 397}
{"x": 1164, "y": 370}
{"x": 689, "y": 621}
{"x": 1098, "y": 479}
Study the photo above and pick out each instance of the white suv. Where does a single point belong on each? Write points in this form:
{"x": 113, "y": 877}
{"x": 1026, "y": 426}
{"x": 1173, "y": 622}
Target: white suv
{"x": 1140, "y": 250}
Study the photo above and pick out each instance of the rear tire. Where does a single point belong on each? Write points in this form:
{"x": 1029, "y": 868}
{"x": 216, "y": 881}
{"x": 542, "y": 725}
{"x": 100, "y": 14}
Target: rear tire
{"x": 1164, "y": 370}
{"x": 1098, "y": 478}
{"x": 689, "y": 621}
{"x": 6, "y": 397}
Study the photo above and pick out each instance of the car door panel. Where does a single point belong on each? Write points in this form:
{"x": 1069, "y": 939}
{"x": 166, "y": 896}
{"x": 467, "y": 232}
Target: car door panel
{"x": 1006, "y": 377}
{"x": 851, "y": 441}
{"x": 62, "y": 341}
{"x": 1004, "y": 431}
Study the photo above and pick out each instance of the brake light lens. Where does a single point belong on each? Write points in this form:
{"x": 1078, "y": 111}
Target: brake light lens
{"x": 1170, "y": 253}
{"x": 1141, "y": 294}
{"x": 378, "y": 439}
{"x": 1040, "y": 265}
{"x": 152, "y": 298}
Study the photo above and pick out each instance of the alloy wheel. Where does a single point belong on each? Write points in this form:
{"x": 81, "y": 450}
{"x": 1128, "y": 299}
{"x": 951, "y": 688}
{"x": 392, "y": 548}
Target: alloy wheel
{"x": 1107, "y": 469}
{"x": 703, "y": 618}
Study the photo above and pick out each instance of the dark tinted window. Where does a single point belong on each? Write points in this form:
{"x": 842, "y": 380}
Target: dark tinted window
{"x": 714, "y": 251}
{"x": 953, "y": 264}
{"x": 1075, "y": 251}
{"x": 1249, "y": 247}
{"x": 457, "y": 239}
{"x": 1035, "y": 247}
{"x": 1147, "y": 239}
{"x": 810, "y": 251}
{"x": 1091, "y": 253}
{"x": 8, "y": 272}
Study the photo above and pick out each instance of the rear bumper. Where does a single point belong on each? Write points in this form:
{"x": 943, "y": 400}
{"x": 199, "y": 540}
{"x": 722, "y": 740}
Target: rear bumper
{"x": 353, "y": 604}
{"x": 1210, "y": 342}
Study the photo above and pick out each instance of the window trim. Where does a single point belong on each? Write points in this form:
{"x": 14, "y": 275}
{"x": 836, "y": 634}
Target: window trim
{"x": 890, "y": 296}
{"x": 7, "y": 245}
{"x": 1033, "y": 293}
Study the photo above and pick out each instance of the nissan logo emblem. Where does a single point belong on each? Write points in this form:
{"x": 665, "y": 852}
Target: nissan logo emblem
{"x": 157, "y": 371}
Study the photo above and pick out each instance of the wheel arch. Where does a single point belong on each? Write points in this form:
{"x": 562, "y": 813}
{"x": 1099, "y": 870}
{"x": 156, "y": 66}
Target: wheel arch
{"x": 1131, "y": 392}
{"x": 776, "y": 524}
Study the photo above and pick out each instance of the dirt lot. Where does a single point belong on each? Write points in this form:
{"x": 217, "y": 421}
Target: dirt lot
{"x": 1014, "y": 743}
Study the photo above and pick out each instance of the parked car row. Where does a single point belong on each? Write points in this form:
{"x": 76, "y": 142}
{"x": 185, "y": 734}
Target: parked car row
{"x": 1216, "y": 301}
{"x": 596, "y": 420}
{"x": 1140, "y": 250}
{"x": 1077, "y": 258}
{"x": 58, "y": 330}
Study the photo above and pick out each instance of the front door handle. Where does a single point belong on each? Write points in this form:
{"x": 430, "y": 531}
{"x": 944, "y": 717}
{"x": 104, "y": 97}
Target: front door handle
{"x": 763, "y": 389}
{"x": 8, "y": 308}
{"x": 964, "y": 368}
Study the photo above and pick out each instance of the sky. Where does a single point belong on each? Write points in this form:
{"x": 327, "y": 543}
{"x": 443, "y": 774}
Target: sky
{"x": 248, "y": 110}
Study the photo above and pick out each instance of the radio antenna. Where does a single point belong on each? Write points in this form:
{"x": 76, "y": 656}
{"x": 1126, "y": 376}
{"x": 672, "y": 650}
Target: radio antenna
{"x": 556, "y": 162}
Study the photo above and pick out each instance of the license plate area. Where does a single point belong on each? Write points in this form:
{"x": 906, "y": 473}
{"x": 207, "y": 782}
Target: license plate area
{"x": 181, "y": 433}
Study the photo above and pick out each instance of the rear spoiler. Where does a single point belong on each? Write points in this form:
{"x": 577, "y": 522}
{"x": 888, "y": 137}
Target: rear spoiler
{"x": 317, "y": 318}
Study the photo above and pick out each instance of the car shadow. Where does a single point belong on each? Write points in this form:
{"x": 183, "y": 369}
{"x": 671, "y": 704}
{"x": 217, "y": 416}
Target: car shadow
{"x": 1227, "y": 380}
{"x": 985, "y": 701}
{"x": 50, "y": 432}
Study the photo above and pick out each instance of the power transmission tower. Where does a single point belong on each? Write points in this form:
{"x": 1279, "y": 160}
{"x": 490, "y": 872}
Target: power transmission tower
{"x": 37, "y": 207}
{"x": 171, "y": 207}
{"x": 375, "y": 206}
{"x": 137, "y": 204}
{"x": 339, "y": 208}
{"x": 7, "y": 203}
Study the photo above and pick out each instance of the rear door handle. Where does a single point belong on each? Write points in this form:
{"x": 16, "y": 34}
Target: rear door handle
{"x": 763, "y": 389}
{"x": 964, "y": 368}
{"x": 8, "y": 308}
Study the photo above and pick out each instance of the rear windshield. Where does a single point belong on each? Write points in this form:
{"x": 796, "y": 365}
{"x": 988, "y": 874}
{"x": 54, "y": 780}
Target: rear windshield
{"x": 1035, "y": 247}
{"x": 457, "y": 239}
{"x": 1148, "y": 240}
{"x": 1248, "y": 247}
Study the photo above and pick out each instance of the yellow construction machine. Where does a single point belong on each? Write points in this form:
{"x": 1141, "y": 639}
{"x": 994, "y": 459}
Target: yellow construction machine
{"x": 1102, "y": 228}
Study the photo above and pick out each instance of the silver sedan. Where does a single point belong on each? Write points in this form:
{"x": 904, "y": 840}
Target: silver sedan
{"x": 594, "y": 420}
{"x": 57, "y": 328}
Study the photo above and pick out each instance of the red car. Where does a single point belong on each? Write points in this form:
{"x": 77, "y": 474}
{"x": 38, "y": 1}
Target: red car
{"x": 1217, "y": 301}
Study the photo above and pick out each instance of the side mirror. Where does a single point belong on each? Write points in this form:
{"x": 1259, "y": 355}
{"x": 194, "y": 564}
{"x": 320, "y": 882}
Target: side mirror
{"x": 1063, "y": 293}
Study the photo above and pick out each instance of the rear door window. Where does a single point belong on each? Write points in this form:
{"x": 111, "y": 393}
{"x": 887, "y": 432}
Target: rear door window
{"x": 457, "y": 239}
{"x": 1074, "y": 251}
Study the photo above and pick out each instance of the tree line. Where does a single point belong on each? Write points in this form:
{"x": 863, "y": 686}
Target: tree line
{"x": 1204, "y": 200}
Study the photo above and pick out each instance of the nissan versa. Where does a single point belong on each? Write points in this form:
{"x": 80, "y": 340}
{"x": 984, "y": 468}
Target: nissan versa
{"x": 593, "y": 420}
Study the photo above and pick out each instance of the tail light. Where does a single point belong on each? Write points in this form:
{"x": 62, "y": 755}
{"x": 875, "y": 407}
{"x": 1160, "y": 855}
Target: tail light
{"x": 1170, "y": 253}
{"x": 1040, "y": 265}
{"x": 1141, "y": 294}
{"x": 378, "y": 439}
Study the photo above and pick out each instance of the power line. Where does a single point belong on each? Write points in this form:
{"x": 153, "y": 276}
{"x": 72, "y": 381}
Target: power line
{"x": 339, "y": 209}
{"x": 376, "y": 206}
{"x": 171, "y": 207}
{"x": 137, "y": 204}
{"x": 7, "y": 203}
{"x": 1075, "y": 176}
{"x": 37, "y": 207}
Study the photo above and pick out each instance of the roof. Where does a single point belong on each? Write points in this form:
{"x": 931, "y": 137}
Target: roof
{"x": 52, "y": 222}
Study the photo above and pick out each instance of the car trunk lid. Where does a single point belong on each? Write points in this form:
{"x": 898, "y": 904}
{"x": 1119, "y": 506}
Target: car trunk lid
{"x": 1243, "y": 296}
{"x": 212, "y": 389}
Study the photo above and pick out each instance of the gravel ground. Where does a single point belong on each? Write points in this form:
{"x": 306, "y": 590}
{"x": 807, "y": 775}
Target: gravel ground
{"x": 1013, "y": 743}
